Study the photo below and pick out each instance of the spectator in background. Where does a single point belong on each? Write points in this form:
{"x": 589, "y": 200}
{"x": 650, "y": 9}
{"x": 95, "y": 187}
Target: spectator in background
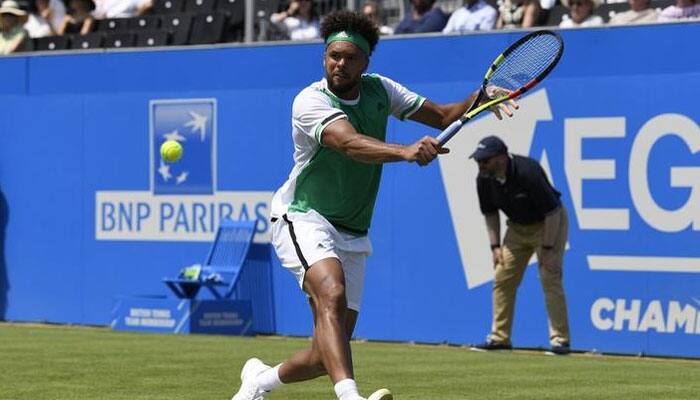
{"x": 640, "y": 12}
{"x": 545, "y": 7}
{"x": 683, "y": 9}
{"x": 45, "y": 18}
{"x": 475, "y": 15}
{"x": 581, "y": 14}
{"x": 518, "y": 14}
{"x": 374, "y": 11}
{"x": 120, "y": 8}
{"x": 547, "y": 4}
{"x": 12, "y": 32}
{"x": 424, "y": 17}
{"x": 300, "y": 21}
{"x": 79, "y": 18}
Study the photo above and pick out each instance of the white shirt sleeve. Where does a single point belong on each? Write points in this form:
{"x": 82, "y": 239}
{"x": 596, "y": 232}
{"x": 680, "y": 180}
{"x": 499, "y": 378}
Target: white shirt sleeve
{"x": 489, "y": 21}
{"x": 312, "y": 112}
{"x": 450, "y": 26}
{"x": 402, "y": 102}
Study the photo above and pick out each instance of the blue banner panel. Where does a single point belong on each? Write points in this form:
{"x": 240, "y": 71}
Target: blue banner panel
{"x": 161, "y": 315}
{"x": 89, "y": 211}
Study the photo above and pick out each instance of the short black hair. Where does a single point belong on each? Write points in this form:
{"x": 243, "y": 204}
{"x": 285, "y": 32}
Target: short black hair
{"x": 352, "y": 22}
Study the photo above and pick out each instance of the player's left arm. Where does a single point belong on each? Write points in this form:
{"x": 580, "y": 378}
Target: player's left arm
{"x": 440, "y": 116}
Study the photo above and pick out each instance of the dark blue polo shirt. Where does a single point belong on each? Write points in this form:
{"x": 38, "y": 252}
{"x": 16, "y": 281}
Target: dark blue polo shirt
{"x": 526, "y": 196}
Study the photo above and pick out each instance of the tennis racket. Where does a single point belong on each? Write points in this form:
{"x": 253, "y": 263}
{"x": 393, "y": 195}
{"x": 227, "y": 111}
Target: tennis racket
{"x": 518, "y": 69}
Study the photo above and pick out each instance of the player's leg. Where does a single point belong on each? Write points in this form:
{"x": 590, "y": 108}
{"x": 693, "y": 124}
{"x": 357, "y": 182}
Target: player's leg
{"x": 307, "y": 364}
{"x": 517, "y": 249}
{"x": 299, "y": 244}
{"x": 326, "y": 299}
{"x": 552, "y": 285}
{"x": 304, "y": 365}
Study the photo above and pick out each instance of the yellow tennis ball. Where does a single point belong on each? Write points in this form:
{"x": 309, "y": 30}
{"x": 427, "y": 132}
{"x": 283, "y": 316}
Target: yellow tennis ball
{"x": 171, "y": 150}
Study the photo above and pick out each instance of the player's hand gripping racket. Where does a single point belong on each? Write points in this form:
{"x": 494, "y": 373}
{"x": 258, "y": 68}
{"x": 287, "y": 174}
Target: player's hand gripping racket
{"x": 523, "y": 65}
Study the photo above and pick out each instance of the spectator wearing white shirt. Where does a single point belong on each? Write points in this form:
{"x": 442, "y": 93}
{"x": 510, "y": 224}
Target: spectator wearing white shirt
{"x": 46, "y": 19}
{"x": 640, "y": 12}
{"x": 475, "y": 15}
{"x": 120, "y": 8}
{"x": 299, "y": 21}
{"x": 683, "y": 9}
{"x": 581, "y": 14}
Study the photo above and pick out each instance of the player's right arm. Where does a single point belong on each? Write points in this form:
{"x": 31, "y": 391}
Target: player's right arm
{"x": 314, "y": 115}
{"x": 342, "y": 137}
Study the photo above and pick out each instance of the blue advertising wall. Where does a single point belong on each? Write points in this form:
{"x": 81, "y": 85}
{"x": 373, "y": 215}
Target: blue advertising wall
{"x": 89, "y": 213}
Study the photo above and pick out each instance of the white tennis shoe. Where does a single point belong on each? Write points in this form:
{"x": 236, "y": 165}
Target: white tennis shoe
{"x": 249, "y": 387}
{"x": 381, "y": 394}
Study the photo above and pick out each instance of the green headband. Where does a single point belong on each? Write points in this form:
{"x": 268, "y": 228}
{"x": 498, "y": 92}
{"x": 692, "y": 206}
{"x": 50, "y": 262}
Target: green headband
{"x": 352, "y": 37}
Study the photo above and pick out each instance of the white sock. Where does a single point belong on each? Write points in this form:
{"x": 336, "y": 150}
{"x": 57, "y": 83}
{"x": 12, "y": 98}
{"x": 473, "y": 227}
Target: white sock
{"x": 346, "y": 389}
{"x": 269, "y": 379}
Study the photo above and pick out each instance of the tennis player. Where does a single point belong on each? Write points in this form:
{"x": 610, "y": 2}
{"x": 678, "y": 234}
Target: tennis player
{"x": 322, "y": 213}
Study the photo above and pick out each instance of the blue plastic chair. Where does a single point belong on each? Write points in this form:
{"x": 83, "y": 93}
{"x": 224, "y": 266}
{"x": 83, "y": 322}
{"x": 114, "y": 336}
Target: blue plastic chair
{"x": 223, "y": 265}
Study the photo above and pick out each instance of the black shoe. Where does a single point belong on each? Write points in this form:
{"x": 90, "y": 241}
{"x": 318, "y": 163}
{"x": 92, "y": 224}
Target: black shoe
{"x": 560, "y": 349}
{"x": 492, "y": 346}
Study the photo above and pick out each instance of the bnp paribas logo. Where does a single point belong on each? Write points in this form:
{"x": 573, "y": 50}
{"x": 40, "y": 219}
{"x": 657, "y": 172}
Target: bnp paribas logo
{"x": 182, "y": 203}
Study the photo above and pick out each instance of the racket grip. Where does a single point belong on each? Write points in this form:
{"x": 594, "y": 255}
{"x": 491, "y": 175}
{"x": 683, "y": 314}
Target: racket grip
{"x": 450, "y": 131}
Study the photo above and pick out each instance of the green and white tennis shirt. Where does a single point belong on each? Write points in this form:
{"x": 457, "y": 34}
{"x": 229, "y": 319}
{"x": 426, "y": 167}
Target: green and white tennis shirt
{"x": 340, "y": 189}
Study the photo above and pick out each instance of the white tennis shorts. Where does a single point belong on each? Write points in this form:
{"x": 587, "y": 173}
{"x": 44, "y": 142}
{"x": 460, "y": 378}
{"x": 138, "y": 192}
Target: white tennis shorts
{"x": 302, "y": 239}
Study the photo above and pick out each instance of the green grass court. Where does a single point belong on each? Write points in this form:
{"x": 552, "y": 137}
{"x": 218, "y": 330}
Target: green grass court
{"x": 59, "y": 362}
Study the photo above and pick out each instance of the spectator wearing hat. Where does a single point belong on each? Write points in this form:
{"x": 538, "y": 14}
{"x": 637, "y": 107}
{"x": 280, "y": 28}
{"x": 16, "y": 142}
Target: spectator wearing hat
{"x": 581, "y": 14}
{"x": 683, "y": 9}
{"x": 537, "y": 223}
{"x": 79, "y": 19}
{"x": 12, "y": 32}
{"x": 640, "y": 12}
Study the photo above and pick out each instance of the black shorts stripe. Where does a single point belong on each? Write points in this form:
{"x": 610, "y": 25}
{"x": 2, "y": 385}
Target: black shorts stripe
{"x": 296, "y": 244}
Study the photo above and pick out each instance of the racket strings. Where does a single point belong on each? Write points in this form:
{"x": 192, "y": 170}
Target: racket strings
{"x": 526, "y": 62}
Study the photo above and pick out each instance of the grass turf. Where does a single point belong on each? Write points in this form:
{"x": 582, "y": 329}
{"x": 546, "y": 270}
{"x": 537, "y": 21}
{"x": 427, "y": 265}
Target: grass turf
{"x": 59, "y": 362}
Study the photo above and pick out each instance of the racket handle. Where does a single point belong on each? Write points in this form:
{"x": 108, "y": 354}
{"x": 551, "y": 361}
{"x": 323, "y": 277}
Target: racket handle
{"x": 450, "y": 131}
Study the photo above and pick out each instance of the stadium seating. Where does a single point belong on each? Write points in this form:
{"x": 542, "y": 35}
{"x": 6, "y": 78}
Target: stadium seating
{"x": 168, "y": 6}
{"x": 112, "y": 25}
{"x": 118, "y": 40}
{"x": 143, "y": 23}
{"x": 89, "y": 41}
{"x": 207, "y": 28}
{"x": 221, "y": 270}
{"x": 51, "y": 43}
{"x": 178, "y": 25}
{"x": 200, "y": 6}
{"x": 152, "y": 38}
{"x": 185, "y": 22}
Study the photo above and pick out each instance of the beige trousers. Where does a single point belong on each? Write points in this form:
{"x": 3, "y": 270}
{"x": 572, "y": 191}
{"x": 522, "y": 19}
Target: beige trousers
{"x": 520, "y": 242}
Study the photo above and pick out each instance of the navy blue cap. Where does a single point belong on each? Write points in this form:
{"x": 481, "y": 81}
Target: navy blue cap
{"x": 488, "y": 147}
